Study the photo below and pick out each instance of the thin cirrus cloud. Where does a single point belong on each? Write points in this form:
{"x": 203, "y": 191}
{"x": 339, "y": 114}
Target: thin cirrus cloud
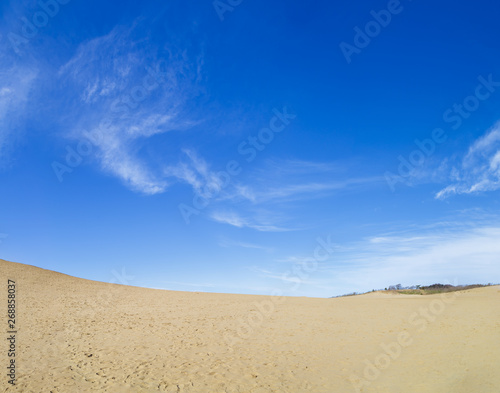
{"x": 16, "y": 84}
{"x": 479, "y": 169}
{"x": 236, "y": 220}
{"x": 238, "y": 202}
{"x": 418, "y": 259}
{"x": 103, "y": 74}
{"x": 195, "y": 171}
{"x": 457, "y": 255}
{"x": 227, "y": 243}
{"x": 256, "y": 188}
{"x": 301, "y": 191}
{"x": 277, "y": 181}
{"x": 123, "y": 96}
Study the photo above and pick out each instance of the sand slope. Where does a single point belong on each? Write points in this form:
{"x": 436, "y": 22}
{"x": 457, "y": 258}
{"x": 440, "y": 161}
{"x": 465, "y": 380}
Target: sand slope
{"x": 83, "y": 336}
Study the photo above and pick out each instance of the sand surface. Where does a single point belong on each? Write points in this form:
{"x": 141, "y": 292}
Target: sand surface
{"x": 76, "y": 335}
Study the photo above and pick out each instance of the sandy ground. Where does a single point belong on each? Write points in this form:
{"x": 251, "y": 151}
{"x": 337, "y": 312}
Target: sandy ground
{"x": 76, "y": 335}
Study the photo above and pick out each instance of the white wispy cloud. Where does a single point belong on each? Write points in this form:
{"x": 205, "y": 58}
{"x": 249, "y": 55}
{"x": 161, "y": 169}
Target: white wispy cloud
{"x": 280, "y": 179}
{"x": 225, "y": 242}
{"x": 295, "y": 167}
{"x": 479, "y": 170}
{"x": 292, "y": 180}
{"x": 16, "y": 83}
{"x": 234, "y": 219}
{"x": 125, "y": 96}
{"x": 196, "y": 172}
{"x": 455, "y": 257}
{"x": 302, "y": 191}
{"x": 465, "y": 255}
{"x": 242, "y": 201}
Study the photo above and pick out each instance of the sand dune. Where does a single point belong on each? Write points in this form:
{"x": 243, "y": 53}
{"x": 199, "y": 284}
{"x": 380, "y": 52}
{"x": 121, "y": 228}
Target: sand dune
{"x": 76, "y": 335}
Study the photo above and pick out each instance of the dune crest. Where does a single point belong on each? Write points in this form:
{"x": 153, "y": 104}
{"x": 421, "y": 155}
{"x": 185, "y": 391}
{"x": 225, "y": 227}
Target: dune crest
{"x": 76, "y": 335}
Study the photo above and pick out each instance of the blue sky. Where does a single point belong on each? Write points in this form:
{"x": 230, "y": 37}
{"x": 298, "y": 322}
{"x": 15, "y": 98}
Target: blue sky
{"x": 310, "y": 149}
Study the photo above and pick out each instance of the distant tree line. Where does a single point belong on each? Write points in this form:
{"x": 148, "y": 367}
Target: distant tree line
{"x": 433, "y": 287}
{"x": 399, "y": 287}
